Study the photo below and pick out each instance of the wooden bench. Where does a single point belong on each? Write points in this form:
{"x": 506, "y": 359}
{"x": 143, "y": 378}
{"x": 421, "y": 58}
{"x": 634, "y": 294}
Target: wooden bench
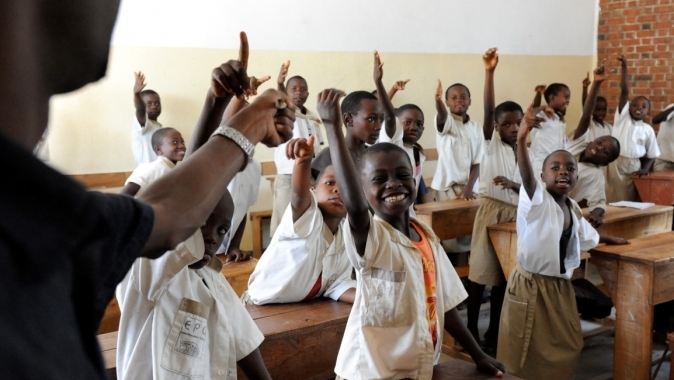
{"x": 455, "y": 369}
{"x": 108, "y": 343}
{"x": 301, "y": 340}
{"x": 656, "y": 187}
{"x": 256, "y": 218}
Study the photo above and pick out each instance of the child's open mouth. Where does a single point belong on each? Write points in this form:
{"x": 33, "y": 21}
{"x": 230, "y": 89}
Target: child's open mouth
{"x": 395, "y": 198}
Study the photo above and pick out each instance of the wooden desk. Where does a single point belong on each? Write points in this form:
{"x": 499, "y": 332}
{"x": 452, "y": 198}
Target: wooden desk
{"x": 456, "y": 369}
{"x": 623, "y": 222}
{"x": 449, "y": 219}
{"x": 301, "y": 340}
{"x": 108, "y": 343}
{"x": 656, "y": 187}
{"x": 256, "y": 217}
{"x": 638, "y": 276}
{"x": 237, "y": 274}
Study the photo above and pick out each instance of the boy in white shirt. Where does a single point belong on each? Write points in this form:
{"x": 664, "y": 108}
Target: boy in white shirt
{"x": 306, "y": 257}
{"x": 665, "y": 140}
{"x": 407, "y": 290}
{"x": 307, "y": 124}
{"x": 638, "y": 144}
{"x": 148, "y": 109}
{"x": 598, "y": 126}
{"x": 169, "y": 147}
{"x": 552, "y": 134}
{"x": 540, "y": 335}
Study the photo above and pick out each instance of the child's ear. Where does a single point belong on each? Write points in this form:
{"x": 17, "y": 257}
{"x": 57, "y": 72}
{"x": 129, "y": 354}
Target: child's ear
{"x": 348, "y": 119}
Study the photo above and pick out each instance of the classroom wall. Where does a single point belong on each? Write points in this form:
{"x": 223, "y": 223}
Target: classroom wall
{"x": 642, "y": 31}
{"x": 330, "y": 44}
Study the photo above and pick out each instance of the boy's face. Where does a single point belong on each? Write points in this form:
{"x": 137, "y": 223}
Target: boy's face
{"x": 458, "y": 100}
{"x": 413, "y": 125}
{"x": 388, "y": 182}
{"x": 327, "y": 194}
{"x": 172, "y": 147}
{"x": 507, "y": 124}
{"x": 560, "y": 100}
{"x": 599, "y": 111}
{"x": 298, "y": 90}
{"x": 560, "y": 173}
{"x": 639, "y": 108}
{"x": 365, "y": 125}
{"x": 600, "y": 151}
{"x": 152, "y": 106}
{"x": 215, "y": 229}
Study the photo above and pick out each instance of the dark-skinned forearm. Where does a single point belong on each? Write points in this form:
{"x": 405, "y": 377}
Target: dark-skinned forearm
{"x": 489, "y": 104}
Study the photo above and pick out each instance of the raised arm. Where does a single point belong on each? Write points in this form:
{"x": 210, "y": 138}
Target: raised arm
{"x": 662, "y": 116}
{"x": 440, "y": 107}
{"x": 281, "y": 80}
{"x": 540, "y": 91}
{"x": 624, "y": 84}
{"x": 600, "y": 75}
{"x": 138, "y": 100}
{"x": 490, "y": 60}
{"x": 300, "y": 150}
{"x": 389, "y": 110}
{"x": 397, "y": 86}
{"x": 529, "y": 122}
{"x": 586, "y": 84}
{"x": 348, "y": 180}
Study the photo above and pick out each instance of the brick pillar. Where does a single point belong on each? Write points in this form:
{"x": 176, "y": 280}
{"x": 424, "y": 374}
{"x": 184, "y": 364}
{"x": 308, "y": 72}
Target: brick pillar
{"x": 643, "y": 31}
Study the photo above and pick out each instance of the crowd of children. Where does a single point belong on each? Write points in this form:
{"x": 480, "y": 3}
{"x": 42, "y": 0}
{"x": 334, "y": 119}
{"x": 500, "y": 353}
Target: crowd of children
{"x": 343, "y": 227}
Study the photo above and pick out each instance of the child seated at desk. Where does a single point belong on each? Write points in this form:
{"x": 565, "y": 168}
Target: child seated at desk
{"x": 540, "y": 335}
{"x": 305, "y": 258}
{"x": 407, "y": 289}
{"x": 169, "y": 145}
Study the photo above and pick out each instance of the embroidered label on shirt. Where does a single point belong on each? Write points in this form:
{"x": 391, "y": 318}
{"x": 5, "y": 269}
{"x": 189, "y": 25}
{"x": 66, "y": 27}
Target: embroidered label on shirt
{"x": 192, "y": 337}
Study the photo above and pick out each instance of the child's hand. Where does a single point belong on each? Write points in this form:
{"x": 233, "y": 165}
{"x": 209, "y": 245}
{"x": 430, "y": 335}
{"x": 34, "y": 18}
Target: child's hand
{"x": 600, "y": 73}
{"x": 504, "y": 182}
{"x": 400, "y": 85}
{"x": 231, "y": 77}
{"x": 623, "y": 61}
{"x": 328, "y": 107}
{"x": 255, "y": 83}
{"x": 140, "y": 82}
{"x": 530, "y": 121}
{"x": 641, "y": 172}
{"x": 283, "y": 73}
{"x": 490, "y": 59}
{"x": 466, "y": 194}
{"x": 586, "y": 81}
{"x": 300, "y": 150}
{"x": 438, "y": 91}
{"x": 595, "y": 220}
{"x": 378, "y": 73}
{"x": 540, "y": 89}
{"x": 612, "y": 240}
{"x": 237, "y": 255}
{"x": 490, "y": 366}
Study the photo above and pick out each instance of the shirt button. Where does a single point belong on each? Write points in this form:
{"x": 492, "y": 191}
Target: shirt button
{"x": 221, "y": 372}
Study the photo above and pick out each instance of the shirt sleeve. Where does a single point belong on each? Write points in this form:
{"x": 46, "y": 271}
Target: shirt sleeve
{"x": 140, "y": 175}
{"x": 588, "y": 236}
{"x": 305, "y": 224}
{"x": 397, "y": 137}
{"x": 453, "y": 291}
{"x": 337, "y": 288}
{"x": 597, "y": 195}
{"x": 445, "y": 127}
{"x": 247, "y": 336}
{"x": 371, "y": 246}
{"x": 652, "y": 148}
{"x": 478, "y": 143}
{"x": 621, "y": 115}
{"x": 577, "y": 146}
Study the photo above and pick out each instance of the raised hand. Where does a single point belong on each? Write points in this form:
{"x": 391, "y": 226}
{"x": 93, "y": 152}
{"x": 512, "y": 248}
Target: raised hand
{"x": 438, "y": 91}
{"x": 255, "y": 83}
{"x": 300, "y": 149}
{"x": 504, "y": 182}
{"x": 600, "y": 73}
{"x": 231, "y": 78}
{"x": 490, "y": 59}
{"x": 378, "y": 72}
{"x": 140, "y": 82}
{"x": 540, "y": 89}
{"x": 268, "y": 119}
{"x": 283, "y": 73}
{"x": 623, "y": 61}
{"x": 400, "y": 85}
{"x": 530, "y": 121}
{"x": 586, "y": 81}
{"x": 328, "y": 107}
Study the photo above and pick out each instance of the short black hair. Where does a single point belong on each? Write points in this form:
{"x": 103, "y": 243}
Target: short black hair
{"x": 297, "y": 77}
{"x": 642, "y": 97}
{"x": 553, "y": 89}
{"x": 616, "y": 152}
{"x": 148, "y": 92}
{"x": 601, "y": 99}
{"x": 383, "y": 147}
{"x": 507, "y": 106}
{"x": 158, "y": 136}
{"x": 455, "y": 85}
{"x": 351, "y": 104}
{"x": 406, "y": 107}
{"x": 555, "y": 152}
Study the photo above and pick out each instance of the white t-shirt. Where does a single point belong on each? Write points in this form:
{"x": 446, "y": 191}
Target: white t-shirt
{"x": 141, "y": 140}
{"x": 459, "y": 147}
{"x": 387, "y": 335}
{"x": 637, "y": 139}
{"x": 499, "y": 160}
{"x": 540, "y": 223}
{"x": 180, "y": 323}
{"x": 549, "y": 138}
{"x": 298, "y": 253}
{"x": 244, "y": 188}
{"x": 591, "y": 184}
{"x": 145, "y": 174}
{"x": 666, "y": 137}
{"x": 305, "y": 126}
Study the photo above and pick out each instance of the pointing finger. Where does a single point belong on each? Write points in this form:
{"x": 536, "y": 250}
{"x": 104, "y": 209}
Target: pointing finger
{"x": 243, "y": 50}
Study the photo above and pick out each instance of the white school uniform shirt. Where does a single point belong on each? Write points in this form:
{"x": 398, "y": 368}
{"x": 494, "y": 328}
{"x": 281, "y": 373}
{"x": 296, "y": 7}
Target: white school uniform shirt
{"x": 387, "y": 335}
{"x": 41, "y": 150}
{"x": 459, "y": 147}
{"x": 145, "y": 174}
{"x": 591, "y": 184}
{"x": 637, "y": 139}
{"x": 298, "y": 253}
{"x": 244, "y": 188}
{"x": 540, "y": 223}
{"x": 180, "y": 323}
{"x": 666, "y": 137}
{"x": 305, "y": 126}
{"x": 141, "y": 140}
{"x": 551, "y": 136}
{"x": 596, "y": 130}
{"x": 499, "y": 160}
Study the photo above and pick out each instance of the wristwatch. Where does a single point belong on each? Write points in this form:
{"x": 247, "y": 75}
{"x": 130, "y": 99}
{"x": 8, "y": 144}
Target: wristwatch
{"x": 239, "y": 139}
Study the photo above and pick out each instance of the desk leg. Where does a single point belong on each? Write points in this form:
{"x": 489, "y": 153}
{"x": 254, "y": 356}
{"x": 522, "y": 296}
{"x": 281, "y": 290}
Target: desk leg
{"x": 634, "y": 324}
{"x": 257, "y": 237}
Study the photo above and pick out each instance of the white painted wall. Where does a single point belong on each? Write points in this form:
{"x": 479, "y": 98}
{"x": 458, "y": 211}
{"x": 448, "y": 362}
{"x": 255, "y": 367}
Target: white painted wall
{"x": 523, "y": 27}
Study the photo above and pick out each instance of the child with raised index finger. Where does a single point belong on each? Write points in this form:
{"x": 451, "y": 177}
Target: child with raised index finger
{"x": 148, "y": 109}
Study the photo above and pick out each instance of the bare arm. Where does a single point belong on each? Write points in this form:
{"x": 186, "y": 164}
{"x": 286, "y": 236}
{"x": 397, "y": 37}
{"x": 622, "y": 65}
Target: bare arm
{"x": 349, "y": 296}
{"x": 600, "y": 75}
{"x": 457, "y": 329}
{"x": 440, "y": 107}
{"x": 281, "y": 80}
{"x": 397, "y": 86}
{"x": 235, "y": 241}
{"x": 130, "y": 189}
{"x": 662, "y": 116}
{"x": 389, "y": 110}
{"x": 526, "y": 170}
{"x": 208, "y": 122}
{"x": 138, "y": 100}
{"x": 253, "y": 366}
{"x": 300, "y": 150}
{"x": 467, "y": 192}
{"x": 586, "y": 84}
{"x": 624, "y": 84}
{"x": 540, "y": 90}
{"x": 490, "y": 60}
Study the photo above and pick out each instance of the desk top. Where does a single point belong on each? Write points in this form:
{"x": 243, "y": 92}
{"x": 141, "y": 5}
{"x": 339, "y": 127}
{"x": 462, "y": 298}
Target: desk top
{"x": 613, "y": 214}
{"x": 656, "y": 176}
{"x": 429, "y": 208}
{"x": 651, "y": 250}
{"x": 278, "y": 320}
{"x": 456, "y": 369}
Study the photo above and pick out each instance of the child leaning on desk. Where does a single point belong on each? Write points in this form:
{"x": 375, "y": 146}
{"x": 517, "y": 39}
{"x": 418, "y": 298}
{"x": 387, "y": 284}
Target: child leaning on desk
{"x": 540, "y": 335}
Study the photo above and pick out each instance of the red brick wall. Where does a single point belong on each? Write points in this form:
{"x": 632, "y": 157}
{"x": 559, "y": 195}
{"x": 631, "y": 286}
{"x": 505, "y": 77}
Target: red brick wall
{"x": 643, "y": 31}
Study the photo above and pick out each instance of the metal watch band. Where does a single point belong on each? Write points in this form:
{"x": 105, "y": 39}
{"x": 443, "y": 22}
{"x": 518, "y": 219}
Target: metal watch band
{"x": 238, "y": 138}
